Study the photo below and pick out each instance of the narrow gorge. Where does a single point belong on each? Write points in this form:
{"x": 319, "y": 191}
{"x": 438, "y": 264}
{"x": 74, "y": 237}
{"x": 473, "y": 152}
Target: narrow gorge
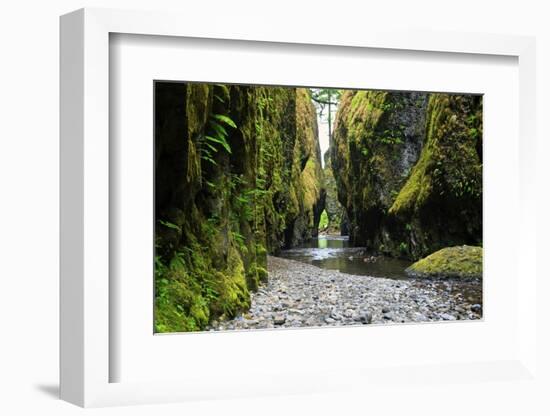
{"x": 296, "y": 207}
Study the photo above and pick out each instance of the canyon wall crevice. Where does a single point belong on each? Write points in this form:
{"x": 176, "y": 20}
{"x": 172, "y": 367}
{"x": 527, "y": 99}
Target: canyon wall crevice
{"x": 408, "y": 170}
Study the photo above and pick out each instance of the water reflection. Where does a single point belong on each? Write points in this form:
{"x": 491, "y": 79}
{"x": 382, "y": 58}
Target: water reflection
{"x": 334, "y": 253}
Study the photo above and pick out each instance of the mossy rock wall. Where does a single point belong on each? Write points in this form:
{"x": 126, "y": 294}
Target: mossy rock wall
{"x": 440, "y": 205}
{"x": 408, "y": 170}
{"x": 306, "y": 182}
{"x": 337, "y": 221}
{"x": 290, "y": 171}
{"x": 220, "y": 210}
{"x": 377, "y": 140}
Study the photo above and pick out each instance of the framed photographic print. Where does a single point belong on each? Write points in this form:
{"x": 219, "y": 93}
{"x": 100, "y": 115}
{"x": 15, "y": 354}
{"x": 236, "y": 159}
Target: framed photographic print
{"x": 268, "y": 217}
{"x": 274, "y": 213}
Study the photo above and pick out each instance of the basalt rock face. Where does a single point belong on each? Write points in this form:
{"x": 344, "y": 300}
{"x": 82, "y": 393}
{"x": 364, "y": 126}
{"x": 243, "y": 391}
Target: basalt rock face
{"x": 335, "y": 211}
{"x": 306, "y": 191}
{"x": 441, "y": 202}
{"x": 408, "y": 170}
{"x": 289, "y": 167}
{"x": 237, "y": 174}
{"x": 377, "y": 140}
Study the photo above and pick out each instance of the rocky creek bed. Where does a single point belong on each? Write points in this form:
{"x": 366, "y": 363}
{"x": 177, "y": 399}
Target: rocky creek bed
{"x": 302, "y": 295}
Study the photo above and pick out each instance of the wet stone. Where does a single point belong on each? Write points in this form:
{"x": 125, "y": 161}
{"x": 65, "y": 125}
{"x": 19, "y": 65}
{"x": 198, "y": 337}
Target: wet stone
{"x": 448, "y": 317}
{"x": 302, "y": 295}
{"x": 476, "y": 308}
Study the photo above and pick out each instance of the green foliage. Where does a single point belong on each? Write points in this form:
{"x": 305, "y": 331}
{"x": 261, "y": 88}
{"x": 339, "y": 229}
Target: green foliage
{"x": 224, "y": 119}
{"x": 390, "y": 137}
{"x": 473, "y": 133}
{"x": 170, "y": 225}
{"x": 220, "y": 140}
{"x": 240, "y": 191}
{"x": 217, "y": 136}
{"x": 190, "y": 288}
{"x": 238, "y": 237}
{"x": 324, "y": 97}
{"x": 323, "y": 222}
{"x": 326, "y": 100}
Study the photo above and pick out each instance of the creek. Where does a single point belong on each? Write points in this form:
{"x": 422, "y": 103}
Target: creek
{"x": 333, "y": 252}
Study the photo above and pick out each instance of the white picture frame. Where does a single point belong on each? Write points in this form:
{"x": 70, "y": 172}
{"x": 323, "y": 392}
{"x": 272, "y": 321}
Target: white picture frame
{"x": 86, "y": 356}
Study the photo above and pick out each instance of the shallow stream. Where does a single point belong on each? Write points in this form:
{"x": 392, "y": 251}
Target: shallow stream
{"x": 334, "y": 253}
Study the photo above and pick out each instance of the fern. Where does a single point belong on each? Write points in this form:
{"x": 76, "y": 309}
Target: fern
{"x": 218, "y": 136}
{"x": 220, "y": 140}
{"x": 218, "y": 128}
{"x": 170, "y": 225}
{"x": 225, "y": 119}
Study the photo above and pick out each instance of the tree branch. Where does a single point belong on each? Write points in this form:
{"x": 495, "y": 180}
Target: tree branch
{"x": 320, "y": 101}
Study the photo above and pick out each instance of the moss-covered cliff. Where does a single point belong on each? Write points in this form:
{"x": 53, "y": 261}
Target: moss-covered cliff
{"x": 290, "y": 166}
{"x": 377, "y": 139}
{"x": 237, "y": 174}
{"x": 441, "y": 202}
{"x": 336, "y": 214}
{"x": 408, "y": 170}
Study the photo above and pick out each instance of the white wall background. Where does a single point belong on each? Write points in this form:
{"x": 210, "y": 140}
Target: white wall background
{"x": 29, "y": 186}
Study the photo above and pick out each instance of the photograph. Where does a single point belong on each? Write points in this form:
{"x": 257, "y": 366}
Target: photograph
{"x": 275, "y": 208}
{"x": 295, "y": 207}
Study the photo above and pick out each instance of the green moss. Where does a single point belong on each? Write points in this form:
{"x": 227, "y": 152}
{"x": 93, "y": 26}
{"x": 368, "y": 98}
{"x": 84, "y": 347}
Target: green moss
{"x": 191, "y": 289}
{"x": 179, "y": 304}
{"x": 408, "y": 169}
{"x": 418, "y": 187}
{"x": 452, "y": 262}
{"x": 289, "y": 169}
{"x": 229, "y": 212}
{"x": 310, "y": 185}
{"x": 335, "y": 211}
{"x": 371, "y": 157}
{"x": 262, "y": 274}
{"x": 441, "y": 200}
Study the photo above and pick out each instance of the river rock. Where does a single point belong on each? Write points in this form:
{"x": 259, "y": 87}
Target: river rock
{"x": 355, "y": 300}
{"x": 476, "y": 308}
{"x": 365, "y": 318}
{"x": 348, "y": 313}
{"x": 335, "y": 315}
{"x": 447, "y": 317}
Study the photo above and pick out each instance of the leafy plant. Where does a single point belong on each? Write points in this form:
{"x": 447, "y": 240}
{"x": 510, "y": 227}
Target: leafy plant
{"x": 217, "y": 136}
{"x": 170, "y": 225}
{"x": 324, "y": 220}
{"x": 390, "y": 137}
